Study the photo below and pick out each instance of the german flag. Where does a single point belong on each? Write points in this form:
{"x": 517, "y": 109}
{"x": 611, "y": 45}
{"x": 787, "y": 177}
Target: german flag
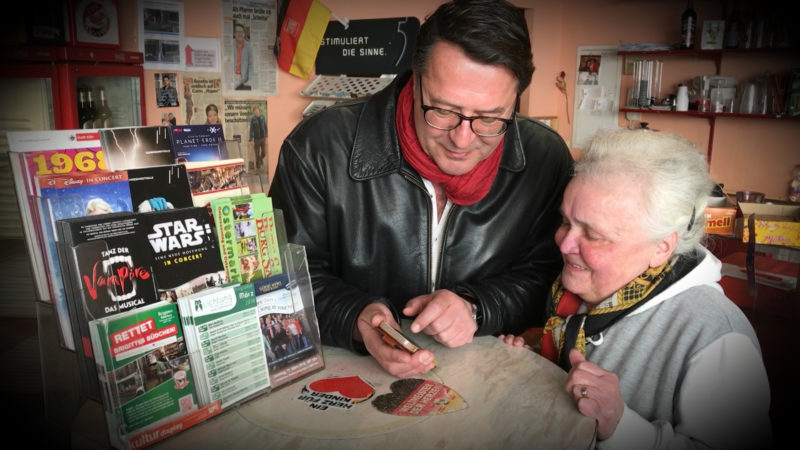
{"x": 300, "y": 36}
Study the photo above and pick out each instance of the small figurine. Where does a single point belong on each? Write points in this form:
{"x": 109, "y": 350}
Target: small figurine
{"x": 794, "y": 189}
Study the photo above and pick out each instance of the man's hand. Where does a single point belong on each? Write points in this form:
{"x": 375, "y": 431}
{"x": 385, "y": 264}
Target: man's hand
{"x": 596, "y": 393}
{"x": 443, "y": 315}
{"x": 395, "y": 361}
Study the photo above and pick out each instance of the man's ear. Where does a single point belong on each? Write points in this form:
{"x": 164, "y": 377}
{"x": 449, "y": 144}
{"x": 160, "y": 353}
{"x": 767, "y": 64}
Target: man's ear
{"x": 664, "y": 249}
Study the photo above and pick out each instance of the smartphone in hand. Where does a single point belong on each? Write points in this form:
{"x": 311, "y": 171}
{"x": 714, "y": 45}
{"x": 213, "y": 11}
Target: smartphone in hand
{"x": 397, "y": 339}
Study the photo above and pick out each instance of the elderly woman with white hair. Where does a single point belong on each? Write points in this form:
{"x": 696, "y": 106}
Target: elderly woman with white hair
{"x": 654, "y": 350}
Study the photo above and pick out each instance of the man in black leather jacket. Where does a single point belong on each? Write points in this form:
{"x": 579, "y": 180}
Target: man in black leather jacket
{"x": 431, "y": 199}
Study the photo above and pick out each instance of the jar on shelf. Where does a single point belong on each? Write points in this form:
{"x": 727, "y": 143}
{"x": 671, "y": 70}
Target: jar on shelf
{"x": 794, "y": 185}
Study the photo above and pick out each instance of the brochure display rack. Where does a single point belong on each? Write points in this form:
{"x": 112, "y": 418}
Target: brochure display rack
{"x": 84, "y": 421}
{"x": 162, "y": 337}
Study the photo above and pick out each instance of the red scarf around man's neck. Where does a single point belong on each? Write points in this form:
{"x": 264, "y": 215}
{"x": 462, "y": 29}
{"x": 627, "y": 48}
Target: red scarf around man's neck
{"x": 460, "y": 189}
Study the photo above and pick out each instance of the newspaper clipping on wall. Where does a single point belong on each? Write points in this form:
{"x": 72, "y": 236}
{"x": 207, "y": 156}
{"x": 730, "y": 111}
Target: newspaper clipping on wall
{"x": 202, "y": 98}
{"x": 248, "y": 37}
{"x": 247, "y": 120}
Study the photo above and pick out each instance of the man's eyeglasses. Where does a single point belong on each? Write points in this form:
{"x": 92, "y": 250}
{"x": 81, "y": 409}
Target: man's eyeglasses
{"x": 444, "y": 119}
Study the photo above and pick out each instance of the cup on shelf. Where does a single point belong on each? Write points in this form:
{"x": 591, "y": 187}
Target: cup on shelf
{"x": 747, "y": 103}
{"x": 718, "y": 197}
{"x": 633, "y": 98}
{"x": 682, "y": 101}
{"x": 717, "y": 101}
{"x": 749, "y": 197}
{"x": 729, "y": 105}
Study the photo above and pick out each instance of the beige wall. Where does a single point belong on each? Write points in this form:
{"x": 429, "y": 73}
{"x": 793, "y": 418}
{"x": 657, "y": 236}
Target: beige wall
{"x": 755, "y": 154}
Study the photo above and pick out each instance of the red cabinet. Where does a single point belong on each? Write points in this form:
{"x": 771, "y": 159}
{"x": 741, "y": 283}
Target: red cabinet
{"x": 113, "y": 78}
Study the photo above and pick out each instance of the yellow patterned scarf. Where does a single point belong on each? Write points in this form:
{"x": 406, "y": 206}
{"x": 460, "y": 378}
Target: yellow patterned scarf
{"x": 566, "y": 326}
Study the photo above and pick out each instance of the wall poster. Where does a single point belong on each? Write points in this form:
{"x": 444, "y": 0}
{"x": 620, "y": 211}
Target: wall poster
{"x": 597, "y": 84}
{"x": 160, "y": 34}
{"x": 249, "y": 65}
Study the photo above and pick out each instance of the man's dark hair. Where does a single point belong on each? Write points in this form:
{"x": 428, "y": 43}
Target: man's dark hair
{"x": 489, "y": 31}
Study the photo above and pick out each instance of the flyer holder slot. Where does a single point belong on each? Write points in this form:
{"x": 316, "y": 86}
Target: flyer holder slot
{"x": 111, "y": 281}
{"x": 66, "y": 196}
{"x": 275, "y": 242}
{"x": 80, "y": 334}
{"x": 247, "y": 233}
{"x": 280, "y": 231}
{"x": 198, "y": 142}
{"x": 229, "y": 346}
{"x": 62, "y": 196}
{"x": 106, "y": 270}
{"x": 246, "y": 339}
{"x": 147, "y": 380}
{"x": 108, "y": 283}
{"x": 36, "y": 153}
{"x": 29, "y": 215}
{"x": 300, "y": 279}
{"x": 209, "y": 180}
{"x": 288, "y": 320}
{"x": 48, "y": 217}
{"x": 225, "y": 344}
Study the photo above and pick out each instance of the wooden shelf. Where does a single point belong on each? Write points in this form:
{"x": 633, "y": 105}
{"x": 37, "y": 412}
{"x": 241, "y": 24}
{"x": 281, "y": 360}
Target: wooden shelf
{"x": 709, "y": 114}
{"x": 707, "y": 53}
{"x": 716, "y": 56}
{"x": 711, "y": 117}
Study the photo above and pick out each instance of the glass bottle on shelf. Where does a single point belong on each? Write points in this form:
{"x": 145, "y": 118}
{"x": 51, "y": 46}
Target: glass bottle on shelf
{"x": 82, "y": 107}
{"x": 758, "y": 31}
{"x": 87, "y": 120}
{"x": 102, "y": 117}
{"x": 747, "y": 35}
{"x": 768, "y": 38}
{"x": 688, "y": 26}
{"x": 732, "y": 26}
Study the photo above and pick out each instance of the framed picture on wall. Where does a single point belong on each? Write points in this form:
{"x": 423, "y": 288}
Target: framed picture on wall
{"x": 94, "y": 23}
{"x": 713, "y": 33}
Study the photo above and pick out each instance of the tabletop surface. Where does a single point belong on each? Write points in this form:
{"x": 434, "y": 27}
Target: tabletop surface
{"x": 509, "y": 398}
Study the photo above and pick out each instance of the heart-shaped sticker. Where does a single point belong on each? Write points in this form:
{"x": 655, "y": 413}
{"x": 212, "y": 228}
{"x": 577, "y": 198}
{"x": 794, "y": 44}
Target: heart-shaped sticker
{"x": 417, "y": 397}
{"x": 352, "y": 387}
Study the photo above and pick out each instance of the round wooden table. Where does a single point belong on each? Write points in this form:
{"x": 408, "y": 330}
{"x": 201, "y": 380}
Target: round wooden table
{"x": 513, "y": 398}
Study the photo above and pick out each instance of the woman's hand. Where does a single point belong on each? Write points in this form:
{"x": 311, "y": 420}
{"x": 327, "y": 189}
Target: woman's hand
{"x": 596, "y": 393}
{"x": 514, "y": 341}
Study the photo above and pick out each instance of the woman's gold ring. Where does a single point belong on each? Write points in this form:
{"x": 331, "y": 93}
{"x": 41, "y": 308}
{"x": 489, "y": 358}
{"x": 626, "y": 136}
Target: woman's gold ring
{"x": 584, "y": 392}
